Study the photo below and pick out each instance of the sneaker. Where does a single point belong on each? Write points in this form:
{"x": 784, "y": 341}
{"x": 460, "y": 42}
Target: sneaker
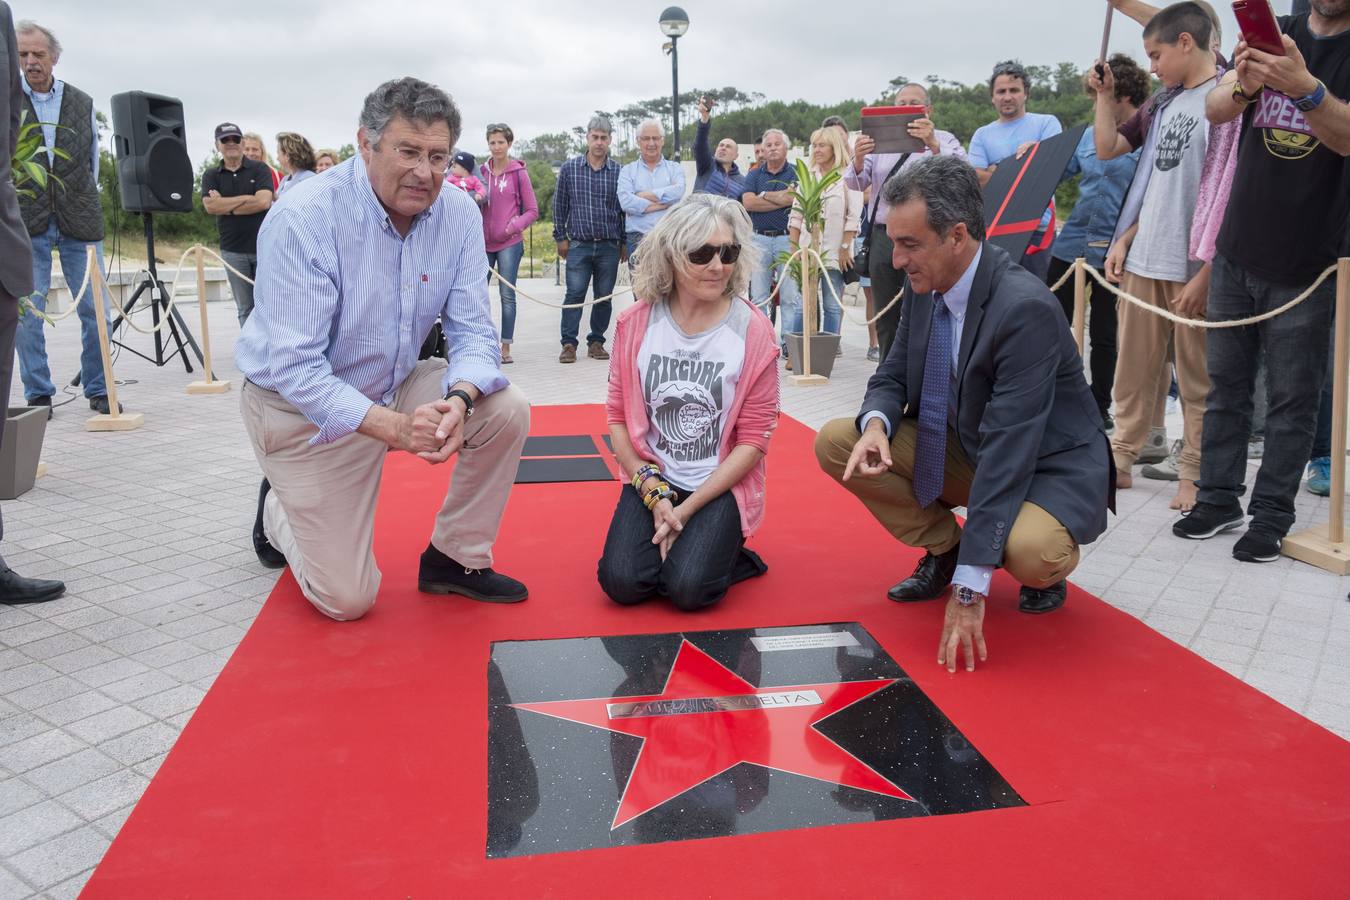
{"x": 439, "y": 574}
{"x": 1319, "y": 476}
{"x": 1167, "y": 469}
{"x": 1257, "y": 545}
{"x": 1256, "y": 446}
{"x": 1207, "y": 520}
{"x": 1173, "y": 406}
{"x": 1155, "y": 448}
{"x": 44, "y": 400}
{"x": 568, "y": 354}
{"x": 874, "y": 354}
{"x": 1108, "y": 423}
{"x": 596, "y": 350}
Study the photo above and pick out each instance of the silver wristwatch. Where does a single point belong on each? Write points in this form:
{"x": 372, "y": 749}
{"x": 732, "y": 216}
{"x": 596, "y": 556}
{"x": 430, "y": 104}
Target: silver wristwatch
{"x": 966, "y": 596}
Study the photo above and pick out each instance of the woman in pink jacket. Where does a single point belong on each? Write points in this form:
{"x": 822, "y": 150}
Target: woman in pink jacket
{"x": 510, "y": 208}
{"x": 693, "y": 401}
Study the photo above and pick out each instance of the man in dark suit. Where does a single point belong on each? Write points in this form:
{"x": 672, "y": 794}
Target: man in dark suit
{"x": 16, "y": 280}
{"x": 1003, "y": 424}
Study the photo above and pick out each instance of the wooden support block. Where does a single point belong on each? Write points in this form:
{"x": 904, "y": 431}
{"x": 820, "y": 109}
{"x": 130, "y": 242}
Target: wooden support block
{"x": 42, "y": 469}
{"x": 208, "y": 387}
{"x": 1315, "y": 547}
{"x": 123, "y": 422}
{"x": 808, "y": 380}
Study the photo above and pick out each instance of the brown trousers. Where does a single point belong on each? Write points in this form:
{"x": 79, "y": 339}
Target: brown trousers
{"x": 1040, "y": 551}
{"x": 321, "y": 510}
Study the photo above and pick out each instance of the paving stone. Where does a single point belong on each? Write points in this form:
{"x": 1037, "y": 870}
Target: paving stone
{"x": 72, "y": 709}
{"x": 61, "y": 858}
{"x": 72, "y": 771}
{"x": 111, "y": 671}
{"x": 40, "y": 749}
{"x": 106, "y": 795}
{"x": 109, "y": 724}
{"x": 11, "y": 888}
{"x": 142, "y": 744}
{"x": 137, "y": 686}
{"x": 30, "y": 827}
{"x": 17, "y": 794}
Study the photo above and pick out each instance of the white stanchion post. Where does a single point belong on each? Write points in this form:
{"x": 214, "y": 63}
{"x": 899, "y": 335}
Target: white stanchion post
{"x": 113, "y": 420}
{"x": 1324, "y": 545}
{"x": 1079, "y": 303}
{"x": 209, "y": 384}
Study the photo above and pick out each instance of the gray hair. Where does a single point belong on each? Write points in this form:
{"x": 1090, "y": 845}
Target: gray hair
{"x": 655, "y": 123}
{"x": 599, "y": 123}
{"x": 28, "y": 26}
{"x": 778, "y": 131}
{"x": 414, "y": 100}
{"x": 914, "y": 84}
{"x": 949, "y": 188}
{"x": 664, "y": 252}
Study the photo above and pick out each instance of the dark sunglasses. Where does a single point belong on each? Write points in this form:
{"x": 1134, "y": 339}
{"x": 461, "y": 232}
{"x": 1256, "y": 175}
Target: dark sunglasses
{"x": 230, "y": 139}
{"x": 729, "y": 253}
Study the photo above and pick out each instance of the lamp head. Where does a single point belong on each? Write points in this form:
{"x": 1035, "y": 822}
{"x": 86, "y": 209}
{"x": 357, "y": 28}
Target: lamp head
{"x": 674, "y": 22}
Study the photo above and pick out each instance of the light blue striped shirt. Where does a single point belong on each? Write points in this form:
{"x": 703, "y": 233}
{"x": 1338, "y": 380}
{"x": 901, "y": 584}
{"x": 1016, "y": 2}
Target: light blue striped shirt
{"x": 343, "y": 302}
{"x": 666, "y": 181}
{"x": 48, "y": 109}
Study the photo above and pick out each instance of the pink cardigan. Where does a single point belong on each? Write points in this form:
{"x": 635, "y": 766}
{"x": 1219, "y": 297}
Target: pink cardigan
{"x": 754, "y": 411}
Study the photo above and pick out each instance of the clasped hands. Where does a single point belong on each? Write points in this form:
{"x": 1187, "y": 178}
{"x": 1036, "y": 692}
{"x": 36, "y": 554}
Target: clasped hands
{"x": 435, "y": 431}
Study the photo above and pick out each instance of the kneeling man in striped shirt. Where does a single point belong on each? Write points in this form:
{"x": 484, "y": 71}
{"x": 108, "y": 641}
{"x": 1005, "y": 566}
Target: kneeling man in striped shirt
{"x": 353, "y": 270}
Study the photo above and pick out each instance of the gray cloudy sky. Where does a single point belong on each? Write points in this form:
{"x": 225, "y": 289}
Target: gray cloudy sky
{"x": 540, "y": 65}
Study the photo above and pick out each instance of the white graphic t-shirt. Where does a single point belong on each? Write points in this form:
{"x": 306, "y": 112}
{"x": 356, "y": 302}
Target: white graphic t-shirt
{"x": 688, "y": 384}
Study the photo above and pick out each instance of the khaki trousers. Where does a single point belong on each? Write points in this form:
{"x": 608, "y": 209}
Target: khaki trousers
{"x": 1040, "y": 551}
{"x": 321, "y": 510}
{"x": 1141, "y": 374}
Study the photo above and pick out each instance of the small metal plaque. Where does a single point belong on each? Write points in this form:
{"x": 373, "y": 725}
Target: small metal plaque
{"x": 804, "y": 641}
{"x": 736, "y": 703}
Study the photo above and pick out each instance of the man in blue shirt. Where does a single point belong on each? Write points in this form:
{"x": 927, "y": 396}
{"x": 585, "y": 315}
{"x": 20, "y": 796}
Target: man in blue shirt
{"x": 649, "y": 185}
{"x": 353, "y": 271}
{"x": 588, "y": 228}
{"x": 1009, "y": 88}
{"x": 768, "y": 199}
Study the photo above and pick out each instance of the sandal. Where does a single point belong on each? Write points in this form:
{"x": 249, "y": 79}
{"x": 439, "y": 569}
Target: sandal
{"x": 506, "y": 354}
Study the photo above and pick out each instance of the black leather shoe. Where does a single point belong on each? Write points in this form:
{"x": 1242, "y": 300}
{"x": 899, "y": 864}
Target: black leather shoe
{"x": 14, "y": 588}
{"x": 269, "y": 556}
{"x": 930, "y": 578}
{"x": 101, "y": 406}
{"x": 44, "y": 400}
{"x": 439, "y": 574}
{"x": 1042, "y": 600}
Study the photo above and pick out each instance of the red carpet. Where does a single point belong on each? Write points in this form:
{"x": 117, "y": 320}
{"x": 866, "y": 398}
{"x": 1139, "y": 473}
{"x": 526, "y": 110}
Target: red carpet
{"x": 341, "y": 760}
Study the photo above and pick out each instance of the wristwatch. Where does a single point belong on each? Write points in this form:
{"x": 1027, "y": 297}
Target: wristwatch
{"x": 966, "y": 596}
{"x": 463, "y": 395}
{"x": 1241, "y": 96}
{"x": 1313, "y": 100}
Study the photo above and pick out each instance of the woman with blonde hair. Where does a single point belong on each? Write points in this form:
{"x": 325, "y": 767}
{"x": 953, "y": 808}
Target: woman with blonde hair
{"x": 295, "y": 155}
{"x": 842, "y": 209}
{"x": 325, "y": 160}
{"x": 693, "y": 401}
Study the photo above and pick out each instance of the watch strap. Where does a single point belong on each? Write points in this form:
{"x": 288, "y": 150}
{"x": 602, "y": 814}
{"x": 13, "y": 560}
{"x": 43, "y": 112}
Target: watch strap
{"x": 463, "y": 395}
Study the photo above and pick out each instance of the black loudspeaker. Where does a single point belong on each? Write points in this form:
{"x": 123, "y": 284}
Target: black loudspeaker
{"x": 153, "y": 169}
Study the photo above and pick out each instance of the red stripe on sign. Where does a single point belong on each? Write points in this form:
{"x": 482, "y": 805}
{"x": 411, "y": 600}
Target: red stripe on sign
{"x": 1014, "y": 227}
{"x": 1026, "y": 164}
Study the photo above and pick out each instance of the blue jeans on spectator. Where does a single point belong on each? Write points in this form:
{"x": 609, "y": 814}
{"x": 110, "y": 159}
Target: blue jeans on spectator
{"x": 507, "y": 263}
{"x": 32, "y": 341}
{"x": 708, "y": 558}
{"x": 593, "y": 263}
{"x": 241, "y": 287}
{"x": 832, "y": 312}
{"x": 1295, "y": 349}
{"x": 761, "y": 280}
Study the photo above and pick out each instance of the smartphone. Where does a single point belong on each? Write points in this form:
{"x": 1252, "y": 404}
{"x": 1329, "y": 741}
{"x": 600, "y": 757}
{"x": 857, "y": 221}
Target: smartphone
{"x": 1256, "y": 20}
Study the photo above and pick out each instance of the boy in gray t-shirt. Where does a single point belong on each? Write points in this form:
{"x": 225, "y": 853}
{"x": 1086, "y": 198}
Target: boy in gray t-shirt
{"x": 1150, "y": 256}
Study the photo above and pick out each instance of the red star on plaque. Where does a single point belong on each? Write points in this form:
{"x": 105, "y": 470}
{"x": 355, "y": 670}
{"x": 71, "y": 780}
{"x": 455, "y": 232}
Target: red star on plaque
{"x": 709, "y": 719}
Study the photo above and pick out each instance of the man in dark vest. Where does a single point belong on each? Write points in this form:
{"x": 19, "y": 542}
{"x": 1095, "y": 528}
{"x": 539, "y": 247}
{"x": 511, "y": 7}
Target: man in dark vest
{"x": 16, "y": 280}
{"x": 66, "y": 216}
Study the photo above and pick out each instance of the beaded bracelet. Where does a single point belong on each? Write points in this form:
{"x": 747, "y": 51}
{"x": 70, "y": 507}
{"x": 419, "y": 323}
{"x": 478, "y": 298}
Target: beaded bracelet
{"x": 645, "y": 471}
{"x": 661, "y": 492}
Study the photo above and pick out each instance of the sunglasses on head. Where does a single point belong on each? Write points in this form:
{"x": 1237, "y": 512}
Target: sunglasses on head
{"x": 728, "y": 253}
{"x": 230, "y": 139}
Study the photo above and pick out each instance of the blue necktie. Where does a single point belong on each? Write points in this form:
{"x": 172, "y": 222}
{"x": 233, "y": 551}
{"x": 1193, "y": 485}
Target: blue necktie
{"x": 930, "y": 451}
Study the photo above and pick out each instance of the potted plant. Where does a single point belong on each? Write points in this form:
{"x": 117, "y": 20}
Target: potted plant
{"x": 811, "y": 355}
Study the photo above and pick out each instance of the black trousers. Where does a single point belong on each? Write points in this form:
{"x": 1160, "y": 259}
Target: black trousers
{"x": 9, "y": 327}
{"x": 1101, "y": 330}
{"x": 887, "y": 281}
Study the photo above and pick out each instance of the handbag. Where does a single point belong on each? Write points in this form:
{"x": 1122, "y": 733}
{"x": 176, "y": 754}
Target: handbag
{"x": 863, "y": 258}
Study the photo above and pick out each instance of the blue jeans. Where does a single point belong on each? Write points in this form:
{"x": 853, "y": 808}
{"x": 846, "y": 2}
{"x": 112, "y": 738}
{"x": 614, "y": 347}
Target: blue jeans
{"x": 593, "y": 263}
{"x": 1295, "y": 349}
{"x": 761, "y": 280}
{"x": 241, "y": 286}
{"x": 32, "y": 342}
{"x": 833, "y": 313}
{"x": 507, "y": 263}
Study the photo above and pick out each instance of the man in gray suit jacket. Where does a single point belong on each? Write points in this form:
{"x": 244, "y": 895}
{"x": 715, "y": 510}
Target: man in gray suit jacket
{"x": 1004, "y": 424}
{"x": 16, "y": 280}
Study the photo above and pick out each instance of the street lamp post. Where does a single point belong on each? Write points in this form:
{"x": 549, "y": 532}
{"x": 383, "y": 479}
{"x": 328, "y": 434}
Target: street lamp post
{"x": 674, "y": 23}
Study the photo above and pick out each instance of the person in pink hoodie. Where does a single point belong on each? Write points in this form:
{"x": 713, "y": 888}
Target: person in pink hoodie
{"x": 693, "y": 401}
{"x": 509, "y": 210}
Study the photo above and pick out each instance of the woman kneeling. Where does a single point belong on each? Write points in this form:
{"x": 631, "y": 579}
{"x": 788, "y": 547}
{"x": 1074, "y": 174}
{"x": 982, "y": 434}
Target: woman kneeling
{"x": 693, "y": 400}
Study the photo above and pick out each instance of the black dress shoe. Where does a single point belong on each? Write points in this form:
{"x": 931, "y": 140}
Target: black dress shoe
{"x": 14, "y": 588}
{"x": 930, "y": 578}
{"x": 439, "y": 574}
{"x": 44, "y": 400}
{"x": 101, "y": 406}
{"x": 1042, "y": 600}
{"x": 269, "y": 556}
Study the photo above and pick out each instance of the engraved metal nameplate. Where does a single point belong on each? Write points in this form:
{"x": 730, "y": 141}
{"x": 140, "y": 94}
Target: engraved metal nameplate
{"x": 736, "y": 703}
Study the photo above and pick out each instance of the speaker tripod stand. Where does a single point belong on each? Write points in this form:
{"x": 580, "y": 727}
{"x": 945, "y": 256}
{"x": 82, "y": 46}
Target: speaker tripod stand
{"x": 160, "y": 306}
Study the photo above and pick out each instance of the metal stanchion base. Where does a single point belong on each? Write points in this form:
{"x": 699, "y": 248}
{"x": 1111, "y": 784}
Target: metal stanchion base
{"x": 208, "y": 387}
{"x": 122, "y": 422}
{"x": 1314, "y": 547}
{"x": 808, "y": 380}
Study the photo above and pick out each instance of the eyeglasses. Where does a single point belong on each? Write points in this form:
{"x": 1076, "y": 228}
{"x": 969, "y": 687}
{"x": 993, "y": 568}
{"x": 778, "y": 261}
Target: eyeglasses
{"x": 230, "y": 139}
{"x": 728, "y": 253}
{"x": 411, "y": 158}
